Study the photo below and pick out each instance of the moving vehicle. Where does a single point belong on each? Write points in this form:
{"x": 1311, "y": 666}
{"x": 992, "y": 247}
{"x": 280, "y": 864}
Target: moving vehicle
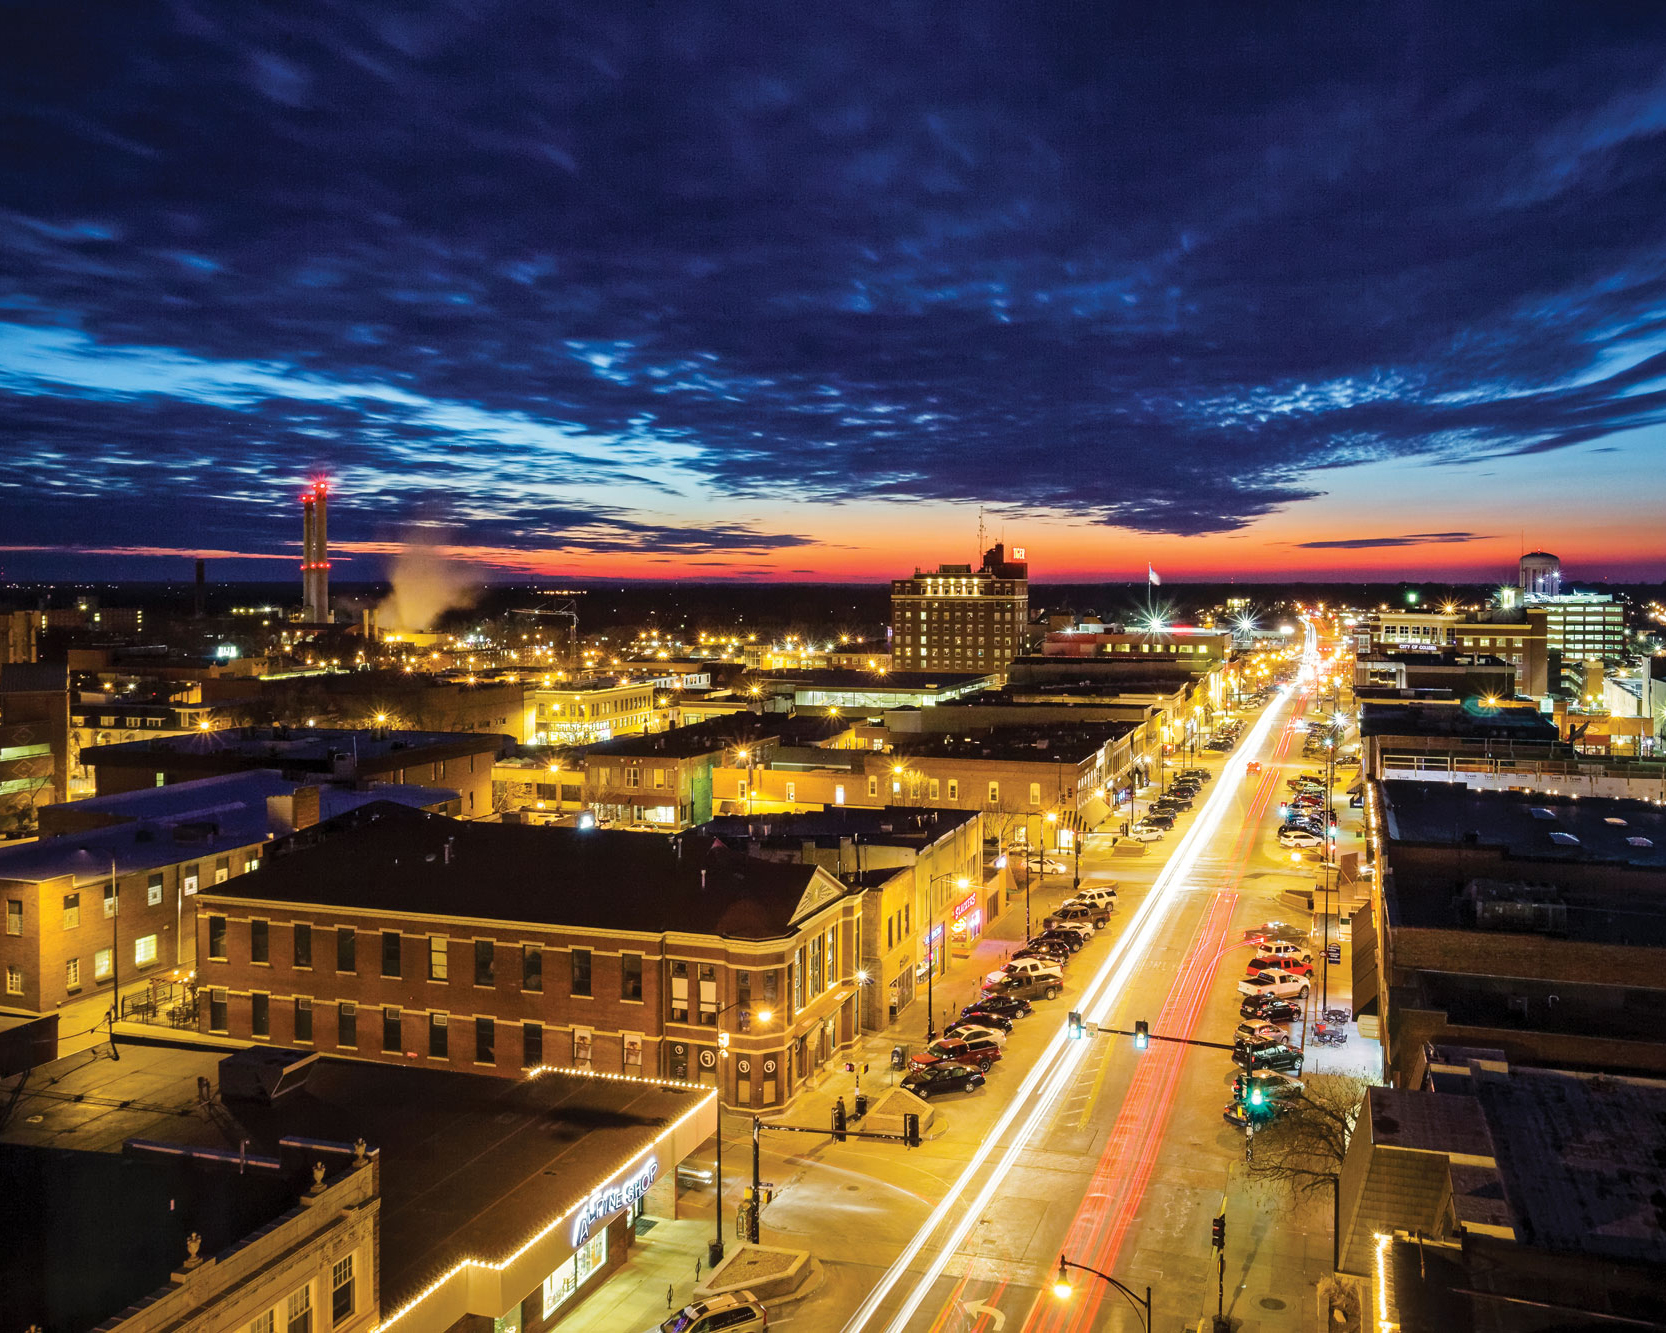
{"x": 734, "y": 1312}
{"x": 1275, "y": 982}
{"x": 945, "y": 1076}
{"x": 958, "y": 1051}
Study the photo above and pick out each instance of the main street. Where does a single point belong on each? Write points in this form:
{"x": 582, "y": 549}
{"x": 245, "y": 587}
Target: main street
{"x": 1118, "y": 1158}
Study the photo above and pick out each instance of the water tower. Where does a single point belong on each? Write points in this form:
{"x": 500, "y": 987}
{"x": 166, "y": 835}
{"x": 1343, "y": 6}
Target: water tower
{"x": 1541, "y": 575}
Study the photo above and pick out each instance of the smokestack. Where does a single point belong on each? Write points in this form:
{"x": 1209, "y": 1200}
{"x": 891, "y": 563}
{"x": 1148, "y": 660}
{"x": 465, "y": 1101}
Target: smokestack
{"x": 202, "y": 579}
{"x": 315, "y": 555}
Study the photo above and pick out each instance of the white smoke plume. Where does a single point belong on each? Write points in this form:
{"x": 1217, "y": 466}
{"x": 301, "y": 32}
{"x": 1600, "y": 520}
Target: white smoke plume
{"x": 426, "y": 584}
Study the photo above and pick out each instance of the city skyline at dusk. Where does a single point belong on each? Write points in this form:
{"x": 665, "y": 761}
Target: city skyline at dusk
{"x": 727, "y": 294}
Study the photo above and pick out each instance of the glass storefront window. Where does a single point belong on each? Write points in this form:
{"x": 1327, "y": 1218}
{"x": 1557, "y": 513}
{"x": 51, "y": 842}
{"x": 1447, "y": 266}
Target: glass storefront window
{"x": 561, "y": 1284}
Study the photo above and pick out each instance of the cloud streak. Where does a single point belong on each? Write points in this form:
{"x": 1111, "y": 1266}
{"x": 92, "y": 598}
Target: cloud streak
{"x": 1409, "y": 539}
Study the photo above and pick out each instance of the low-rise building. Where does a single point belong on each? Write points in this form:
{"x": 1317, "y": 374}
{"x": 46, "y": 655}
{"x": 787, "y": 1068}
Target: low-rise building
{"x": 1468, "y": 677}
{"x": 448, "y": 1203}
{"x": 1516, "y": 921}
{"x": 34, "y": 742}
{"x": 104, "y": 902}
{"x": 584, "y": 712}
{"x": 410, "y": 938}
{"x": 461, "y": 761}
{"x": 666, "y": 779}
{"x": 1496, "y": 1197}
{"x": 1519, "y": 635}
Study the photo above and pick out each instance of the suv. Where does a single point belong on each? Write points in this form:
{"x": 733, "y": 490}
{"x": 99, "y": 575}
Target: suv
{"x": 1103, "y": 895}
{"x": 979, "y": 1051}
{"x": 1268, "y": 1055}
{"x": 737, "y": 1312}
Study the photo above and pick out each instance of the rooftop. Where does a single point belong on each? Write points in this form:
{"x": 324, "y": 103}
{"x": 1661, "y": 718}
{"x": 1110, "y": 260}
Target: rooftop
{"x": 1530, "y": 826}
{"x": 895, "y": 825}
{"x": 164, "y": 825}
{"x": 385, "y": 857}
{"x": 292, "y": 748}
{"x": 1060, "y": 743}
{"x": 707, "y": 737}
{"x": 469, "y": 1164}
{"x": 844, "y": 678}
{"x": 1468, "y": 721}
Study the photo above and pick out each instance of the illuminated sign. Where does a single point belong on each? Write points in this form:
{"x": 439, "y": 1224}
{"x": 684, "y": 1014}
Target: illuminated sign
{"x": 611, "y": 1198}
{"x": 1018, "y": 553}
{"x": 966, "y": 905}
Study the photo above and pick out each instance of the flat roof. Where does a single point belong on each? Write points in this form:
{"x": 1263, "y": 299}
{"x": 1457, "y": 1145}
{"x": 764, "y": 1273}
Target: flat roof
{"x": 894, "y": 825}
{"x": 704, "y": 737}
{"x": 846, "y": 678}
{"x": 1531, "y": 826}
{"x": 292, "y": 747}
{"x": 186, "y": 821}
{"x": 1428, "y": 718}
{"x": 469, "y": 1164}
{"x": 384, "y": 857}
{"x": 1063, "y": 742}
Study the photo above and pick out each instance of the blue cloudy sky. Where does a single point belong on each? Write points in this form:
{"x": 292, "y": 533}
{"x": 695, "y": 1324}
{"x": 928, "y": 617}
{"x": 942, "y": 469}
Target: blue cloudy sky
{"x": 754, "y": 290}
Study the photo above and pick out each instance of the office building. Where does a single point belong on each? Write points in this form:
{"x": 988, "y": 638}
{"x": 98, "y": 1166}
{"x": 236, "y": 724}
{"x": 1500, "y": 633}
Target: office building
{"x": 956, "y": 618}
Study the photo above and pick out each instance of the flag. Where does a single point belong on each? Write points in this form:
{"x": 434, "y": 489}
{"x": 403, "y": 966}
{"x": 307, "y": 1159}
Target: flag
{"x": 1151, "y": 575}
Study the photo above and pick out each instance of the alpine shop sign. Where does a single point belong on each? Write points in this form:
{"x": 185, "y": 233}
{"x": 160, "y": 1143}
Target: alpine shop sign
{"x": 611, "y": 1198}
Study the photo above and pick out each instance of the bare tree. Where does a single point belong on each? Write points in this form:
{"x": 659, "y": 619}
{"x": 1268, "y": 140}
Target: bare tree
{"x": 1300, "y": 1150}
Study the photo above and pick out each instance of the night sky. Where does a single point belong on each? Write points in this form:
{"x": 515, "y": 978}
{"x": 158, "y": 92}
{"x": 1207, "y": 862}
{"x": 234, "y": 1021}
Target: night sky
{"x": 787, "y": 291}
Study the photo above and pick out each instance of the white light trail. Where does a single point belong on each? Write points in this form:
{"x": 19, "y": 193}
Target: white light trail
{"x": 1052, "y": 1073}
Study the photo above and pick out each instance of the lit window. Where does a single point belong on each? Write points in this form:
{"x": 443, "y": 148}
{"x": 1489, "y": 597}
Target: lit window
{"x": 144, "y": 951}
{"x": 14, "y": 980}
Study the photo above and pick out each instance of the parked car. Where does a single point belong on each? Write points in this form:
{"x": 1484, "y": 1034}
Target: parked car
{"x": 1048, "y": 952}
{"x": 1010, "y": 1007}
{"x": 1201, "y": 774}
{"x": 1294, "y": 965}
{"x": 1277, "y": 1055}
{"x": 1290, "y": 836}
{"x": 946, "y": 1076}
{"x": 975, "y": 1032}
{"x": 1097, "y": 917}
{"x": 1284, "y": 949}
{"x": 984, "y": 1018}
{"x": 1275, "y": 982}
{"x": 1146, "y": 831}
{"x": 735, "y": 1312}
{"x": 1269, "y": 1083}
{"x": 1173, "y": 801}
{"x": 1026, "y": 969}
{"x": 956, "y": 1051}
{"x": 1071, "y": 939}
{"x": 1098, "y": 895}
{"x": 1158, "y": 818}
{"x": 1082, "y": 930}
{"x": 1041, "y": 987}
{"x": 1255, "y": 1030}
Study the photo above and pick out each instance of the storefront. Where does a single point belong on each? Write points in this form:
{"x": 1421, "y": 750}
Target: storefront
{"x": 966, "y": 921}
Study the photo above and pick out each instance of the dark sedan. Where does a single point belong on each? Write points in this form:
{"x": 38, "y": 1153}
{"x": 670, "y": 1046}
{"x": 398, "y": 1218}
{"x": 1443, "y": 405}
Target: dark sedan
{"x": 1007, "y": 1006}
{"x": 939, "y": 1078}
{"x": 1269, "y": 1010}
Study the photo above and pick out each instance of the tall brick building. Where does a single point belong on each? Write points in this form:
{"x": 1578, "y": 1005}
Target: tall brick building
{"x": 955, "y": 618}
{"x": 493, "y": 948}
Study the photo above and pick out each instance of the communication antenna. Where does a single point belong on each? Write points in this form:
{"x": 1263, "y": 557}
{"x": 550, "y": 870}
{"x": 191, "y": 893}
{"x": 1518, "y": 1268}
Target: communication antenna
{"x": 981, "y": 547}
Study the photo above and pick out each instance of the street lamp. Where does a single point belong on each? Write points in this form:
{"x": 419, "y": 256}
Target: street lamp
{"x": 961, "y": 882}
{"x": 1062, "y": 1288}
{"x": 745, "y": 756}
{"x": 715, "y": 1255}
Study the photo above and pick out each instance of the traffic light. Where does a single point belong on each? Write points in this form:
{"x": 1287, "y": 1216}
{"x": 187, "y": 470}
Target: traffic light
{"x": 1257, "y": 1096}
{"x": 1217, "y": 1232}
{"x": 1142, "y": 1035}
{"x": 911, "y": 1129}
{"x": 839, "y": 1121}
{"x": 1075, "y": 1025}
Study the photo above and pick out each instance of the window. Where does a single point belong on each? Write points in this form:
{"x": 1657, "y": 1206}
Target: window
{"x": 341, "y": 1290}
{"x": 188, "y": 880}
{"x": 153, "y": 891}
{"x": 14, "y": 980}
{"x": 679, "y": 992}
{"x": 532, "y": 967}
{"x": 485, "y": 1041}
{"x": 217, "y": 1009}
{"x": 390, "y": 953}
{"x": 485, "y": 968}
{"x": 708, "y": 994}
{"x": 994, "y": 793}
{"x": 303, "y": 944}
{"x": 101, "y": 965}
{"x": 931, "y": 788}
{"x": 260, "y": 1014}
{"x": 630, "y": 976}
{"x": 222, "y": 870}
{"x": 954, "y": 789}
{"x": 346, "y": 949}
{"x": 347, "y": 1024}
{"x": 633, "y": 777}
{"x": 1035, "y": 793}
{"x": 265, "y": 1322}
{"x": 581, "y": 971}
{"x": 72, "y": 974}
{"x": 260, "y": 942}
{"x": 300, "y": 1311}
{"x": 873, "y": 786}
{"x": 144, "y": 951}
{"x": 532, "y": 1045}
{"x": 303, "y": 1018}
{"x": 14, "y": 916}
{"x": 439, "y": 1036}
{"x": 109, "y": 901}
{"x": 839, "y": 794}
{"x": 72, "y": 910}
{"x": 438, "y": 958}
{"x": 393, "y": 1037}
{"x": 217, "y": 938}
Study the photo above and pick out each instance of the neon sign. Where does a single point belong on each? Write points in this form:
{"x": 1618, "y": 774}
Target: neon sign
{"x": 966, "y": 905}
{"x": 611, "y": 1198}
